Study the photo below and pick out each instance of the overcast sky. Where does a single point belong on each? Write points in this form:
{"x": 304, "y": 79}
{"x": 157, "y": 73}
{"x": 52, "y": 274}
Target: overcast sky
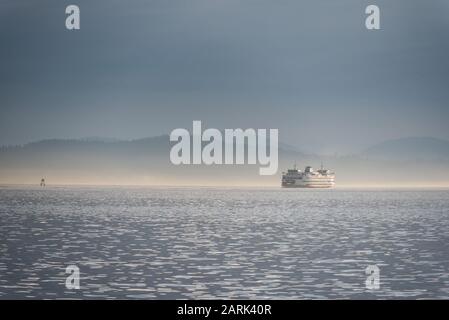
{"x": 142, "y": 68}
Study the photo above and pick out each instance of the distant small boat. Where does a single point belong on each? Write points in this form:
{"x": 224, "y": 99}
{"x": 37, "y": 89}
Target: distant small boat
{"x": 42, "y": 182}
{"x": 295, "y": 178}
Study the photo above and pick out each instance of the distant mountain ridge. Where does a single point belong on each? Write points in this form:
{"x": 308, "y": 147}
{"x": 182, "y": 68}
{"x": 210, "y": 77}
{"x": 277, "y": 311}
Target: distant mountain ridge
{"x": 146, "y": 161}
{"x": 406, "y": 149}
{"x": 158, "y": 142}
{"x": 410, "y": 149}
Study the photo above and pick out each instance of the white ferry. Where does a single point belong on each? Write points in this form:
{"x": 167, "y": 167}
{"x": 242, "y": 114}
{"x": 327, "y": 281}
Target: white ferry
{"x": 295, "y": 178}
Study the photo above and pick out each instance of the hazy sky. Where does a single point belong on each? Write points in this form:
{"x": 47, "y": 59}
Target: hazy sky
{"x": 143, "y": 68}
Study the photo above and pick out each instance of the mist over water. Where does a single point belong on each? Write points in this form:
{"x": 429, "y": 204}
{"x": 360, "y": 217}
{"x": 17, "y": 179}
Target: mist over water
{"x": 174, "y": 243}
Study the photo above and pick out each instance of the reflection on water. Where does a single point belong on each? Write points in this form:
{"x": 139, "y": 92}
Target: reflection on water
{"x": 169, "y": 243}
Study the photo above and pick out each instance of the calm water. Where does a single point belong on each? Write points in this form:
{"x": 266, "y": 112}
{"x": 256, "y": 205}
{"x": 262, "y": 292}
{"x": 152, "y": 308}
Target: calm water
{"x": 146, "y": 243}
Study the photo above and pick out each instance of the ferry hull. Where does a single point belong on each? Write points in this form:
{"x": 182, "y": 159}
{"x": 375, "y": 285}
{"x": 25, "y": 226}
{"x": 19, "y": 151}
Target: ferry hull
{"x": 311, "y": 186}
{"x": 308, "y": 185}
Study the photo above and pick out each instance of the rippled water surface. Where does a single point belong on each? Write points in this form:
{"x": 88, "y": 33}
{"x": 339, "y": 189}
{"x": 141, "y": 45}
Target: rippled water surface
{"x": 177, "y": 243}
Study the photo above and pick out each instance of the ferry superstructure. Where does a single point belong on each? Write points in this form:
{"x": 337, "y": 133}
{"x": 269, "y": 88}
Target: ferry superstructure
{"x": 294, "y": 178}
